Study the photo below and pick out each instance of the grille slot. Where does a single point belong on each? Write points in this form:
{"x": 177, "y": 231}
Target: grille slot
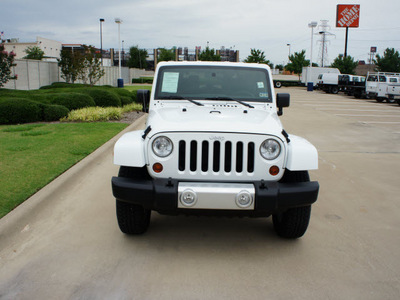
{"x": 216, "y": 156}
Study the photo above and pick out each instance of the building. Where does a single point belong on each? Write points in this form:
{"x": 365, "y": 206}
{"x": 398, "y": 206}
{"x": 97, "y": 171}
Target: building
{"x": 50, "y": 48}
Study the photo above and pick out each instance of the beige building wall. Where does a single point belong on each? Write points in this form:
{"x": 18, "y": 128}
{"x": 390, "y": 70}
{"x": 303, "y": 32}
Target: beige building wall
{"x": 50, "y": 48}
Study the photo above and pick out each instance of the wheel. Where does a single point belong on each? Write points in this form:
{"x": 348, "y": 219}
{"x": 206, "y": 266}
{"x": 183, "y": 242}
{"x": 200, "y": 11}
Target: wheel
{"x": 278, "y": 84}
{"x": 390, "y": 99}
{"x": 334, "y": 90}
{"x": 132, "y": 218}
{"x": 398, "y": 101}
{"x": 293, "y": 223}
{"x": 379, "y": 99}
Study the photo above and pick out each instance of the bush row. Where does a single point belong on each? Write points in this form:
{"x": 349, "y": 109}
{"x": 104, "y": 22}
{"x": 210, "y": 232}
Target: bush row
{"x": 53, "y": 104}
{"x": 143, "y": 80}
{"x": 21, "y": 110}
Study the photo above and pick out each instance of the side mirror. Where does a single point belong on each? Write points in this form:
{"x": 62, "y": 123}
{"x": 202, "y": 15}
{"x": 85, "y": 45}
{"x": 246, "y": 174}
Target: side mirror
{"x": 143, "y": 97}
{"x": 282, "y": 100}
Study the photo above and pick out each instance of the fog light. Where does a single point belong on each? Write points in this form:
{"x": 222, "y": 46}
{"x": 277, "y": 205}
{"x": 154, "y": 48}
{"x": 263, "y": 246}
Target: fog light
{"x": 188, "y": 198}
{"x": 157, "y": 167}
{"x": 244, "y": 199}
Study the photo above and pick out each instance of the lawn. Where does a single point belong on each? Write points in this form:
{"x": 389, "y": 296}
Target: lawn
{"x": 32, "y": 155}
{"x": 133, "y": 88}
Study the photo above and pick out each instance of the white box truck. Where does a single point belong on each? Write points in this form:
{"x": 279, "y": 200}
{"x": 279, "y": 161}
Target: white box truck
{"x": 315, "y": 72}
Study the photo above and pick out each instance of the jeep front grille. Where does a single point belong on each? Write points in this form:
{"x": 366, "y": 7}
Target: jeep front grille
{"x": 216, "y": 156}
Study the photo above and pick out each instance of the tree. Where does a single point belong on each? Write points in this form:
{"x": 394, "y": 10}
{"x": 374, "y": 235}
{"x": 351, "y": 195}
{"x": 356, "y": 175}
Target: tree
{"x": 279, "y": 67}
{"x": 257, "y": 56}
{"x": 209, "y": 55}
{"x": 34, "y": 52}
{"x": 137, "y": 58}
{"x": 346, "y": 65}
{"x": 389, "y": 62}
{"x": 71, "y": 64}
{"x": 297, "y": 62}
{"x": 166, "y": 54}
{"x": 92, "y": 70}
{"x": 6, "y": 62}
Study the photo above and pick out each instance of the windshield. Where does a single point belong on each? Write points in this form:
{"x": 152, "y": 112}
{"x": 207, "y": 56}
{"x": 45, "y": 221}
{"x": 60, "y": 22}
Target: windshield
{"x": 213, "y": 83}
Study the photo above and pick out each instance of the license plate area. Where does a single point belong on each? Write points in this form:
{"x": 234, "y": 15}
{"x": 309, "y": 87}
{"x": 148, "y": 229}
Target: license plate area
{"x": 227, "y": 196}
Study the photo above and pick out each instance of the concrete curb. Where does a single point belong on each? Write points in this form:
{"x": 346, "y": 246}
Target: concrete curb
{"x": 11, "y": 223}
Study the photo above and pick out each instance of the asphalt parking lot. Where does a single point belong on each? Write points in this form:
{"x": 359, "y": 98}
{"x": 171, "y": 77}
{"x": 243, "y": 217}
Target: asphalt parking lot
{"x": 64, "y": 242}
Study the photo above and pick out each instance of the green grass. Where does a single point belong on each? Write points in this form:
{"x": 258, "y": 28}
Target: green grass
{"x": 33, "y": 155}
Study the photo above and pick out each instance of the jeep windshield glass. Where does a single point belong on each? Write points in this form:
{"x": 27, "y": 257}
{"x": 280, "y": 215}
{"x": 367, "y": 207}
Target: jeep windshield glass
{"x": 213, "y": 83}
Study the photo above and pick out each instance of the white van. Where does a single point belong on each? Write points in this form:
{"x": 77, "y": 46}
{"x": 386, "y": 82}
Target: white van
{"x": 329, "y": 82}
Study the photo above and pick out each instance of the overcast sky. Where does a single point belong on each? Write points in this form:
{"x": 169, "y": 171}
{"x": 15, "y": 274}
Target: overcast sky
{"x": 268, "y": 25}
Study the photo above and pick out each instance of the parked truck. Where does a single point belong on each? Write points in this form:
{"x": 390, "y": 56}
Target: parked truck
{"x": 352, "y": 85}
{"x": 213, "y": 144}
{"x": 314, "y": 72}
{"x": 329, "y": 82}
{"x": 383, "y": 86}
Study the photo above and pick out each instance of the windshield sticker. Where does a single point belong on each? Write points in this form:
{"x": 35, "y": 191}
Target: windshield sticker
{"x": 170, "y": 82}
{"x": 260, "y": 84}
{"x": 263, "y": 95}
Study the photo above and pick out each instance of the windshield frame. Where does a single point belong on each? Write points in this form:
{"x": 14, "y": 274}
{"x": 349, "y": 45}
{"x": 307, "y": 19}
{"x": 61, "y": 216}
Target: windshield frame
{"x": 163, "y": 69}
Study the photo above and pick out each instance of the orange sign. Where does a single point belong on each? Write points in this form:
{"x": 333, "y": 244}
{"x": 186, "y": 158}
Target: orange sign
{"x": 348, "y": 15}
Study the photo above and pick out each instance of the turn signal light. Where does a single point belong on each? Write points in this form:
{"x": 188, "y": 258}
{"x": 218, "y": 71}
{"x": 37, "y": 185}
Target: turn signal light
{"x": 157, "y": 167}
{"x": 274, "y": 170}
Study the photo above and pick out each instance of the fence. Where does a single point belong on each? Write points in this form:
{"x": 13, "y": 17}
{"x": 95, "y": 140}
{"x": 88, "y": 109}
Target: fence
{"x": 32, "y": 74}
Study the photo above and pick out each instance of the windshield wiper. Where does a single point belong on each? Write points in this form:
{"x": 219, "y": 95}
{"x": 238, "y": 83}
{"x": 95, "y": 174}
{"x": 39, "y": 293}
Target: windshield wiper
{"x": 177, "y": 97}
{"x": 229, "y": 98}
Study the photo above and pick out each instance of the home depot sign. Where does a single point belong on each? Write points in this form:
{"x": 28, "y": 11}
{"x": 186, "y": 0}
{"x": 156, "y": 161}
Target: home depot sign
{"x": 348, "y": 15}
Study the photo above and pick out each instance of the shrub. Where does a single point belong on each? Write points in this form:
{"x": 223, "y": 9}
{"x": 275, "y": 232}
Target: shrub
{"x": 126, "y": 100}
{"x": 54, "y": 112}
{"x": 143, "y": 80}
{"x": 94, "y": 114}
{"x": 63, "y": 85}
{"x": 19, "y": 110}
{"x": 73, "y": 100}
{"x": 103, "y": 97}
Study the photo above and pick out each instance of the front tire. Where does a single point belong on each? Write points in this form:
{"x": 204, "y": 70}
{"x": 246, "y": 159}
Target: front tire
{"x": 293, "y": 223}
{"x": 132, "y": 218}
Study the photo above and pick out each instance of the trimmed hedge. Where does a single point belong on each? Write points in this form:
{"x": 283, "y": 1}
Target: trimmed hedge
{"x": 54, "y": 112}
{"x": 63, "y": 85}
{"x": 143, "y": 80}
{"x": 103, "y": 97}
{"x": 19, "y": 110}
{"x": 126, "y": 100}
{"x": 73, "y": 100}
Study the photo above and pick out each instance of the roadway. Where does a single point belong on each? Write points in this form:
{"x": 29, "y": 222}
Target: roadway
{"x": 64, "y": 242}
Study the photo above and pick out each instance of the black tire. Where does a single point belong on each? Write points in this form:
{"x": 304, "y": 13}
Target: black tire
{"x": 293, "y": 223}
{"x": 379, "y": 99}
{"x": 132, "y": 218}
{"x": 278, "y": 84}
{"x": 398, "y": 101}
{"x": 334, "y": 90}
{"x": 390, "y": 99}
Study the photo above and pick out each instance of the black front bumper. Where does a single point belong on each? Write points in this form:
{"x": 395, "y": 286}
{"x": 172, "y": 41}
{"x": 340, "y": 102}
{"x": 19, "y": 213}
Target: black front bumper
{"x": 161, "y": 195}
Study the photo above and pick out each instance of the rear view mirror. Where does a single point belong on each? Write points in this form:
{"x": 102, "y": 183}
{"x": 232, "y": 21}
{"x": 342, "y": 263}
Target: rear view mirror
{"x": 143, "y": 97}
{"x": 282, "y": 100}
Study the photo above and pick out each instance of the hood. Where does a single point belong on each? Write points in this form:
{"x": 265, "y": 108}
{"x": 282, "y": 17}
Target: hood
{"x": 215, "y": 118}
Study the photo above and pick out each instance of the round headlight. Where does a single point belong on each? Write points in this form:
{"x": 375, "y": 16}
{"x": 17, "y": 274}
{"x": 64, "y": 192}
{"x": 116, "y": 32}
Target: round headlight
{"x": 162, "y": 146}
{"x": 270, "y": 149}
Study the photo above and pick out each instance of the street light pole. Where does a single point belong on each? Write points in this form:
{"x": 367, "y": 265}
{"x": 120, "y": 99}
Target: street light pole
{"x": 101, "y": 40}
{"x": 120, "y": 80}
{"x": 289, "y": 52}
{"x": 310, "y": 85}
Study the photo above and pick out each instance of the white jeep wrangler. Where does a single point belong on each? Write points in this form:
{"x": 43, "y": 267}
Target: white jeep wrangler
{"x": 214, "y": 145}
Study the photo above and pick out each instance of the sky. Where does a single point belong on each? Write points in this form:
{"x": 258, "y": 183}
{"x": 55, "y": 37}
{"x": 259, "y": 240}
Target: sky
{"x": 268, "y": 25}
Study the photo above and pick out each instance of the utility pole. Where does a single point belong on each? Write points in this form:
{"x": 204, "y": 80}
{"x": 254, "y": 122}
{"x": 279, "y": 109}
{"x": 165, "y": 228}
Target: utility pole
{"x": 323, "y": 50}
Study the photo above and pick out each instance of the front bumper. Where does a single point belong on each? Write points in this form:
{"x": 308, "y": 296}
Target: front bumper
{"x": 161, "y": 195}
